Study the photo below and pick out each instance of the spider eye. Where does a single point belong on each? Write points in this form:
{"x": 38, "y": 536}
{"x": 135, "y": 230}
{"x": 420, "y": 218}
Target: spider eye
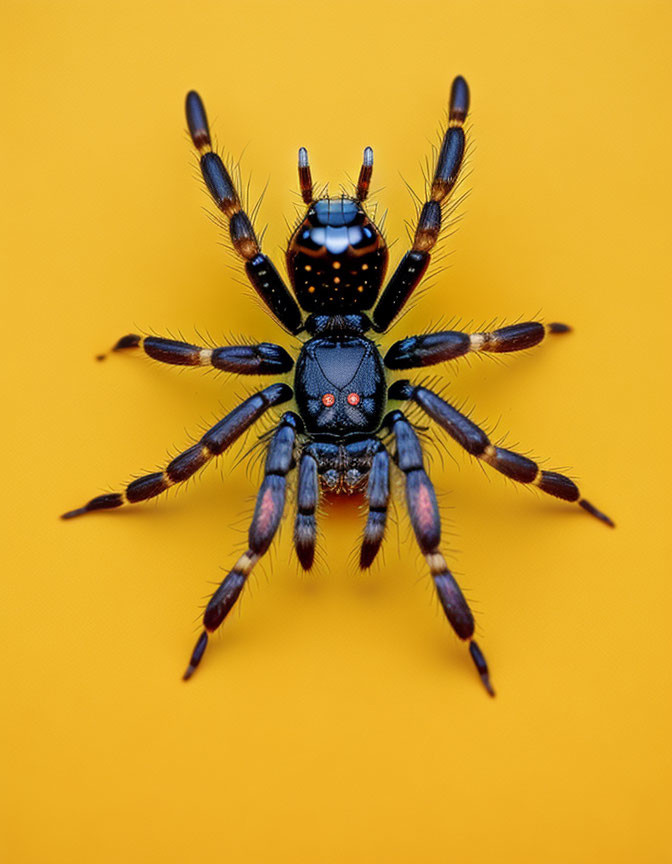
{"x": 328, "y": 399}
{"x": 353, "y": 398}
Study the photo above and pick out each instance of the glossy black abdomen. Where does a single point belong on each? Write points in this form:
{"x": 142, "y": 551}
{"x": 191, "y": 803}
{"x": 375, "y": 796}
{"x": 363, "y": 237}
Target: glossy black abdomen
{"x": 336, "y": 258}
{"x": 340, "y": 386}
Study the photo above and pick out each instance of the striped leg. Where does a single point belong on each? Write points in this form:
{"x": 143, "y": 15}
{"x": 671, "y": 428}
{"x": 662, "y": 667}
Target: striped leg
{"x": 424, "y": 514}
{"x": 262, "y": 359}
{"x": 267, "y": 515}
{"x": 432, "y": 348}
{"x": 475, "y": 441}
{"x": 213, "y": 443}
{"x": 413, "y": 265}
{"x": 305, "y": 526}
{"x": 260, "y": 270}
{"x": 378, "y": 494}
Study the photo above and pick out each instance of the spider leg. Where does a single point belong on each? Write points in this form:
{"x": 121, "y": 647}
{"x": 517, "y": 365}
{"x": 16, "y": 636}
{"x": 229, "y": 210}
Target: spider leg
{"x": 424, "y": 514}
{"x": 305, "y": 526}
{"x": 215, "y": 441}
{"x": 260, "y": 270}
{"x": 475, "y": 441}
{"x": 267, "y": 515}
{"x": 378, "y": 495}
{"x": 431, "y": 348}
{"x": 265, "y": 358}
{"x": 413, "y": 265}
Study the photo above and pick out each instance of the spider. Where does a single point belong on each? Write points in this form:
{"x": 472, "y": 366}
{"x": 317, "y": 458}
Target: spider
{"x": 343, "y": 433}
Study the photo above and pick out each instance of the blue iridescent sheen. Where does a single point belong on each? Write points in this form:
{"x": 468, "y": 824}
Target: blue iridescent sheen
{"x": 336, "y": 211}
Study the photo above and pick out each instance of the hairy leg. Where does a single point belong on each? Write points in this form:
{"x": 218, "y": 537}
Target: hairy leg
{"x": 474, "y": 440}
{"x": 213, "y": 443}
{"x": 267, "y": 515}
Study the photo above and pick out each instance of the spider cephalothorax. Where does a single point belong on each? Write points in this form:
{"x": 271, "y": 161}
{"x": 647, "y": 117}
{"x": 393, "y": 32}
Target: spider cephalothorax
{"x": 337, "y": 439}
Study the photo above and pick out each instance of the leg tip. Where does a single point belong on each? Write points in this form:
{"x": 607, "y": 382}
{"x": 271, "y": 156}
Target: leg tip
{"x": 133, "y": 340}
{"x": 367, "y": 555}
{"x": 598, "y": 514}
{"x": 482, "y": 667}
{"x": 485, "y": 678}
{"x": 71, "y": 514}
{"x": 102, "y": 502}
{"x": 557, "y": 327}
{"x": 196, "y": 656}
{"x": 306, "y": 558}
{"x": 488, "y": 686}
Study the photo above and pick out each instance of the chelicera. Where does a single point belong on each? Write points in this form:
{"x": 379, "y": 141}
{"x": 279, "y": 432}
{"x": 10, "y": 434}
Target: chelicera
{"x": 348, "y": 423}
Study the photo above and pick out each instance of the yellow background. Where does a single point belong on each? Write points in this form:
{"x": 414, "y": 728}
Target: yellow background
{"x": 337, "y": 718}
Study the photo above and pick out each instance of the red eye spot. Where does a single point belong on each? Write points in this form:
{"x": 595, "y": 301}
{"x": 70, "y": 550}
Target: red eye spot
{"x": 353, "y": 398}
{"x": 328, "y": 399}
